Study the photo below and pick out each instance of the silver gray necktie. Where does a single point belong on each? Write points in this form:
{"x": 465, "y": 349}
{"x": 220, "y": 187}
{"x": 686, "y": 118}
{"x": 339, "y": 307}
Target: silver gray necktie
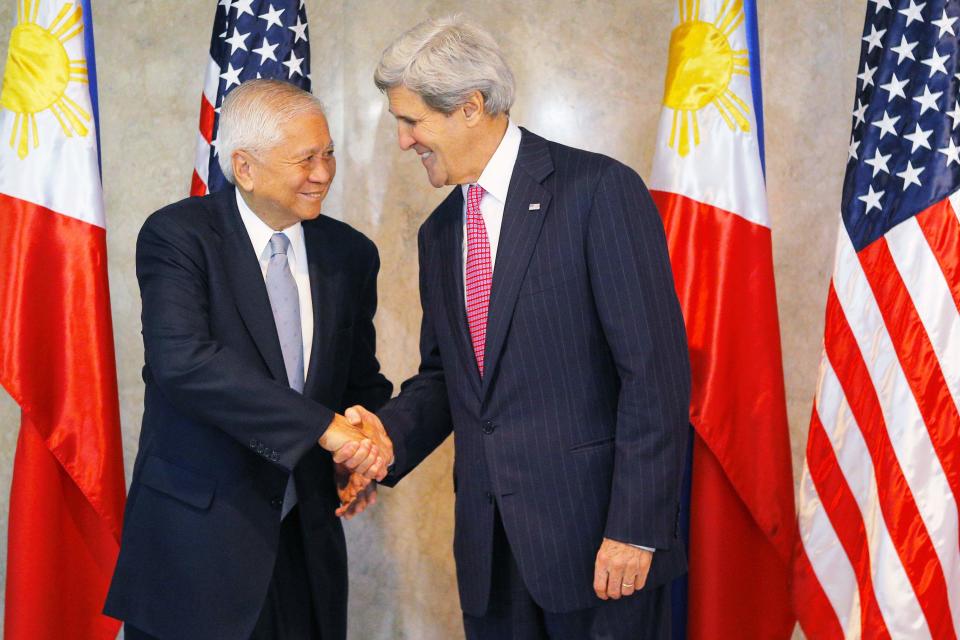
{"x": 285, "y": 303}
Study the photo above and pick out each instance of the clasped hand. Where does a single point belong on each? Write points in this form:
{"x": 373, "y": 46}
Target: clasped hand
{"x": 360, "y": 445}
{"x": 362, "y": 452}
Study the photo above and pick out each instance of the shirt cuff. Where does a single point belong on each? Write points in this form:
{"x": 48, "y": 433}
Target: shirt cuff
{"x": 640, "y": 546}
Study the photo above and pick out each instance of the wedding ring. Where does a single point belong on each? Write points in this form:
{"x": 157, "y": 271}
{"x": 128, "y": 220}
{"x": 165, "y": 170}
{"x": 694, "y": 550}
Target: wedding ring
{"x": 624, "y": 584}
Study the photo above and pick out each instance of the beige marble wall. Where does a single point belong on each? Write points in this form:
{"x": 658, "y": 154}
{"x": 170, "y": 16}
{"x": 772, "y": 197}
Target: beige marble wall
{"x": 589, "y": 74}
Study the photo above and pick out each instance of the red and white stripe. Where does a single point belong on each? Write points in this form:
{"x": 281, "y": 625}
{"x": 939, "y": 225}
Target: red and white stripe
{"x": 878, "y": 503}
{"x": 208, "y": 99}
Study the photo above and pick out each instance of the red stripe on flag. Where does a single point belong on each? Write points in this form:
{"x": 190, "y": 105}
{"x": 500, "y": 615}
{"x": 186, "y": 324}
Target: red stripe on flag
{"x": 197, "y": 186}
{"x": 900, "y": 512}
{"x": 743, "y": 486}
{"x": 844, "y": 514}
{"x": 730, "y": 564}
{"x": 207, "y": 117}
{"x": 941, "y": 228}
{"x": 723, "y": 271}
{"x": 57, "y": 361}
{"x": 817, "y": 618}
{"x": 61, "y": 554}
{"x": 917, "y": 358}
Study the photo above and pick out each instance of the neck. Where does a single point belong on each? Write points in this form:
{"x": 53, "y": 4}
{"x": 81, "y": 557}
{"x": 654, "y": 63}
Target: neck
{"x": 488, "y": 138}
{"x": 275, "y": 222}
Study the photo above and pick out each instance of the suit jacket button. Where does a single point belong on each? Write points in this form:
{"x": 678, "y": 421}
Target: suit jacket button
{"x": 489, "y": 427}
{"x": 489, "y": 497}
{"x": 276, "y": 503}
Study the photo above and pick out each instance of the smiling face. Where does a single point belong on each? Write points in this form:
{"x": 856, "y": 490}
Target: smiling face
{"x": 287, "y": 183}
{"x": 443, "y": 142}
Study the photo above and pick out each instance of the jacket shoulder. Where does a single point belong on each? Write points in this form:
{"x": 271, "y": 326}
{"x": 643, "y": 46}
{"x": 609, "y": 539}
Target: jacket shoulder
{"x": 442, "y": 213}
{"x": 344, "y": 236}
{"x": 193, "y": 214}
{"x": 570, "y": 162}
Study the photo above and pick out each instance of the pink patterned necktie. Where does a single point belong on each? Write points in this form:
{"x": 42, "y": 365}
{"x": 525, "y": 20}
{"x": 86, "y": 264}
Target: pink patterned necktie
{"x": 479, "y": 274}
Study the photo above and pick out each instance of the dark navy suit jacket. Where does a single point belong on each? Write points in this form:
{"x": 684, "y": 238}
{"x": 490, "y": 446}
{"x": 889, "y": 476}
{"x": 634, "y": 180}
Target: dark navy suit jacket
{"x": 222, "y": 429}
{"x": 578, "y": 428}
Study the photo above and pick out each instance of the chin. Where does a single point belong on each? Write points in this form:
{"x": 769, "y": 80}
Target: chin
{"x": 310, "y": 214}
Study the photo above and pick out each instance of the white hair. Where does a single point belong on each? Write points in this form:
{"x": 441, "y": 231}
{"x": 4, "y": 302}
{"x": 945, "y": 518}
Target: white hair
{"x": 252, "y": 115}
{"x": 444, "y": 60}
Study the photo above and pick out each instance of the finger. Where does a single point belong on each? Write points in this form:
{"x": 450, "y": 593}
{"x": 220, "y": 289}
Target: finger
{"x": 629, "y": 583}
{"x": 365, "y": 466}
{"x": 381, "y": 472}
{"x": 377, "y": 470}
{"x": 345, "y": 452}
{"x": 363, "y": 452}
{"x": 600, "y": 579}
{"x": 353, "y": 416}
{"x": 351, "y": 511}
{"x": 642, "y": 573}
{"x": 615, "y": 580}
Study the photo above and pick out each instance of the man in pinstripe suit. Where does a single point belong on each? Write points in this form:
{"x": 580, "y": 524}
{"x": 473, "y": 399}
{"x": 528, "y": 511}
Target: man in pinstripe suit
{"x": 552, "y": 346}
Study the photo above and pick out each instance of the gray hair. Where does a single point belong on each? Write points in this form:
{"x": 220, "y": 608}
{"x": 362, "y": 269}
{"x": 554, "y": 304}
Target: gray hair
{"x": 444, "y": 60}
{"x": 252, "y": 115}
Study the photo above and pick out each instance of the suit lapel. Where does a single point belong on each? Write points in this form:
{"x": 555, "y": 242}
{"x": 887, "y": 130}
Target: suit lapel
{"x": 518, "y": 237}
{"x": 451, "y": 259}
{"x": 242, "y": 266}
{"x": 321, "y": 254}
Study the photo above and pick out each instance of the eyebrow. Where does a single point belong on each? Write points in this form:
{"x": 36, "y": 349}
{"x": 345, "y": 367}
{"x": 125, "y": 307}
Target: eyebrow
{"x": 400, "y": 116}
{"x": 302, "y": 153}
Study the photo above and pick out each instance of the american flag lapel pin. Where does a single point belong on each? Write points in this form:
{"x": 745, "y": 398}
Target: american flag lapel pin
{"x": 534, "y": 206}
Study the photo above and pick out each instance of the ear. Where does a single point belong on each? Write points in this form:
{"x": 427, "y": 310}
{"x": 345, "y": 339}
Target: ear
{"x": 242, "y": 169}
{"x": 472, "y": 109}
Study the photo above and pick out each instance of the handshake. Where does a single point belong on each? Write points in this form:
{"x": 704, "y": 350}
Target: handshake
{"x": 362, "y": 452}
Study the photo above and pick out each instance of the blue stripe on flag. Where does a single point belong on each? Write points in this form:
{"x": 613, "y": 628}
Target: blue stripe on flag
{"x": 753, "y": 47}
{"x": 92, "y": 73}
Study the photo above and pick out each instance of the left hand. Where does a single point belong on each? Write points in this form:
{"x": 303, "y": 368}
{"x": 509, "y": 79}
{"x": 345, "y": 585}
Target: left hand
{"x": 621, "y": 569}
{"x": 356, "y": 492}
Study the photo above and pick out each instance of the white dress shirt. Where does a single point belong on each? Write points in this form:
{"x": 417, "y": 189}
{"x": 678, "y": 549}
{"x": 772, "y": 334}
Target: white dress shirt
{"x": 495, "y": 180}
{"x": 260, "y": 234}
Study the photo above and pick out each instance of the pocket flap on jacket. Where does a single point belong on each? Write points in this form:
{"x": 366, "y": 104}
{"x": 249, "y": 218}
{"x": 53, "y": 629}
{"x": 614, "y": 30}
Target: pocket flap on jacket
{"x": 590, "y": 445}
{"x": 184, "y": 485}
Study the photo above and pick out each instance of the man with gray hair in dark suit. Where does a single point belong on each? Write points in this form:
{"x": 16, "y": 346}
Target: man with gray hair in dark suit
{"x": 552, "y": 346}
{"x": 258, "y": 333}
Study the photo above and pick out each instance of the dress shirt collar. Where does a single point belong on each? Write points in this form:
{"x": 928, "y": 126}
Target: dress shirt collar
{"x": 260, "y": 234}
{"x": 495, "y": 178}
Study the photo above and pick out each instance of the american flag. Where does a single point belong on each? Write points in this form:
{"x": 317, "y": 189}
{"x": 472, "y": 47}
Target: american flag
{"x": 879, "y": 554}
{"x": 251, "y": 39}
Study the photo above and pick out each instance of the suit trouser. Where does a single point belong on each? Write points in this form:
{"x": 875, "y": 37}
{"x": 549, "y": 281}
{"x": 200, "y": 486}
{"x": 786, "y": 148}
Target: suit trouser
{"x": 288, "y": 610}
{"x": 512, "y": 613}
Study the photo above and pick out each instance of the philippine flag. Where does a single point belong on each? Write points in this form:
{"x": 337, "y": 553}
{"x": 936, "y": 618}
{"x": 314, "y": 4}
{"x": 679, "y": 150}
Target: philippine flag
{"x": 56, "y": 338}
{"x": 708, "y": 181}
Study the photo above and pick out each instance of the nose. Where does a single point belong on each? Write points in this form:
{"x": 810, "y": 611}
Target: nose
{"x": 404, "y": 138}
{"x": 323, "y": 171}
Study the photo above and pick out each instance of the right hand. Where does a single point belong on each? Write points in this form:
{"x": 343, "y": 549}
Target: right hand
{"x": 354, "y": 449}
{"x": 371, "y": 425}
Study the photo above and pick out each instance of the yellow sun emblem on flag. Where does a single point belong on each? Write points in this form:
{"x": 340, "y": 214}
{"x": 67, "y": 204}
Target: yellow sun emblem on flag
{"x": 38, "y": 72}
{"x": 702, "y": 64}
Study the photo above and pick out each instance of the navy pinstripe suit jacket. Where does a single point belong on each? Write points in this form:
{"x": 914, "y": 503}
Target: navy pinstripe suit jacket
{"x": 578, "y": 428}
